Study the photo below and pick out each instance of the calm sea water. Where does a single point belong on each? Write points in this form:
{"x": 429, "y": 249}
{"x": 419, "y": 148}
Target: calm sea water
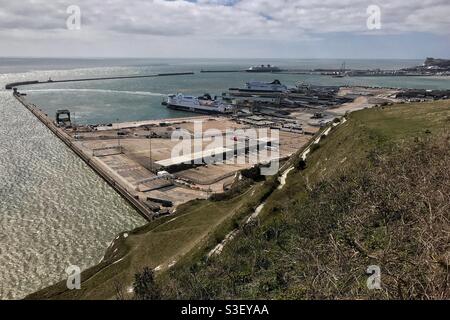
{"x": 54, "y": 211}
{"x": 136, "y": 99}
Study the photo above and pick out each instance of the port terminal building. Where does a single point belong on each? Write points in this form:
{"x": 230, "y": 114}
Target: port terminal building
{"x": 220, "y": 154}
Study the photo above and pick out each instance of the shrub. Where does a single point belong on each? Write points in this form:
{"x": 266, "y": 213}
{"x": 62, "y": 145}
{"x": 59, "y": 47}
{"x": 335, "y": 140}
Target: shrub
{"x": 301, "y": 164}
{"x": 145, "y": 287}
{"x": 314, "y": 147}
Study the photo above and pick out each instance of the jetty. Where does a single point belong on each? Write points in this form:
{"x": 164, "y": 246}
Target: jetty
{"x": 61, "y": 134}
{"x": 12, "y": 85}
{"x": 221, "y": 71}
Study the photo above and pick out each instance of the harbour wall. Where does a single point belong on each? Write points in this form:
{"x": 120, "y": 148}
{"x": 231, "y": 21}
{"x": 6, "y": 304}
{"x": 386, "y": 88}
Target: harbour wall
{"x": 140, "y": 207}
{"x": 12, "y": 85}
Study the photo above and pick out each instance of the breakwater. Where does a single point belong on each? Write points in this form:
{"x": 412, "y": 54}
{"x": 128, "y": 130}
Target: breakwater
{"x": 12, "y": 85}
{"x": 143, "y": 210}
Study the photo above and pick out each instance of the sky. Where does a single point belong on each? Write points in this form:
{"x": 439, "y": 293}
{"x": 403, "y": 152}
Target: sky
{"x": 406, "y": 29}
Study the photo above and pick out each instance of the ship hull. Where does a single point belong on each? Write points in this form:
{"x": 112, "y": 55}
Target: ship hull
{"x": 193, "y": 109}
{"x": 254, "y": 91}
{"x": 242, "y": 93}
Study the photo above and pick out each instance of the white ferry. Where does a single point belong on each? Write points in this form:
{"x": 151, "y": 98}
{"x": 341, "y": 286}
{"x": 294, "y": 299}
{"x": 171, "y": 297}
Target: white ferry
{"x": 203, "y": 104}
{"x": 260, "y": 88}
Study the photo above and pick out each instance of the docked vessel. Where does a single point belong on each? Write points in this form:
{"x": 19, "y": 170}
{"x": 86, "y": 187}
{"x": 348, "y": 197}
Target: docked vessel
{"x": 341, "y": 73}
{"x": 258, "y": 91}
{"x": 202, "y": 104}
{"x": 259, "y": 87}
{"x": 263, "y": 68}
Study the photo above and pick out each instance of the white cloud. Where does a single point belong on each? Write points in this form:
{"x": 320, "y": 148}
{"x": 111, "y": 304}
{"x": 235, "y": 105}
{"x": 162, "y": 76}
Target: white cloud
{"x": 227, "y": 18}
{"x": 214, "y": 20}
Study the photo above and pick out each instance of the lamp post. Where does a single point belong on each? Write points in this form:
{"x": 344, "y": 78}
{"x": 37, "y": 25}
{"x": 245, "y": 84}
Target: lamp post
{"x": 150, "y": 151}
{"x": 118, "y": 136}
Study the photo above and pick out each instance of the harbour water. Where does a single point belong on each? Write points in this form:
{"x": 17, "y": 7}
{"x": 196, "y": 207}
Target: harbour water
{"x": 55, "y": 211}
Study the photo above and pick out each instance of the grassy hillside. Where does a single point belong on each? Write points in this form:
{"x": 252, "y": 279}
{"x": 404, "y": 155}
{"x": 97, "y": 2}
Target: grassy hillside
{"x": 376, "y": 191}
{"x": 311, "y": 241}
{"x": 196, "y": 227}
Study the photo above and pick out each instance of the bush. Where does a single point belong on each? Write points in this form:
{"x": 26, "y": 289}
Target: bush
{"x": 253, "y": 173}
{"x": 301, "y": 164}
{"x": 237, "y": 188}
{"x": 145, "y": 287}
{"x": 314, "y": 147}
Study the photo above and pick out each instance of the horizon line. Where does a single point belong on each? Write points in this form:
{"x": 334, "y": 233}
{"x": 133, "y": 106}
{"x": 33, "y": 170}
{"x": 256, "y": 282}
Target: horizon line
{"x": 206, "y": 58}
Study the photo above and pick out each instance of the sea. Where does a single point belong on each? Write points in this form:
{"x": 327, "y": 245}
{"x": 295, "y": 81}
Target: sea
{"x": 54, "y": 210}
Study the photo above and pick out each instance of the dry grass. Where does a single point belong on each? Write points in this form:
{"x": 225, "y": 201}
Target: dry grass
{"x": 392, "y": 212}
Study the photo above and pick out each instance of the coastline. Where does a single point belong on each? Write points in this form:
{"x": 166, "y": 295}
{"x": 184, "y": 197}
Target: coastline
{"x": 145, "y": 212}
{"x": 60, "y": 133}
{"x": 109, "y": 256}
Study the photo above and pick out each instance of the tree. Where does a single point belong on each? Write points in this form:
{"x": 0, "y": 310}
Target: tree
{"x": 145, "y": 287}
{"x": 301, "y": 164}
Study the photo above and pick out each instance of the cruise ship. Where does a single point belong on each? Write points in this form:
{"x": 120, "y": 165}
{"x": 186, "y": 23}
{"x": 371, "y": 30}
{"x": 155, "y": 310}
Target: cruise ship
{"x": 202, "y": 104}
{"x": 263, "y": 68}
{"x": 258, "y": 87}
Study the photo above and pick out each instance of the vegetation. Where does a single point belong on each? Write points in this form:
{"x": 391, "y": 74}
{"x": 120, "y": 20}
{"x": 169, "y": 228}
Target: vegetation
{"x": 376, "y": 192}
{"x": 193, "y": 230}
{"x": 145, "y": 287}
{"x": 392, "y": 213}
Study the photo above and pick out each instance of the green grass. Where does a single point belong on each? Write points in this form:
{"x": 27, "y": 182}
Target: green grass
{"x": 340, "y": 214}
{"x": 353, "y": 142}
{"x": 200, "y": 224}
{"x": 376, "y": 128}
{"x": 190, "y": 233}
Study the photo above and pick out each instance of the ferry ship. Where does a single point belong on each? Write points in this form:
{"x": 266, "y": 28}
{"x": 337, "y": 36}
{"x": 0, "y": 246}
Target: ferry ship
{"x": 259, "y": 87}
{"x": 202, "y": 104}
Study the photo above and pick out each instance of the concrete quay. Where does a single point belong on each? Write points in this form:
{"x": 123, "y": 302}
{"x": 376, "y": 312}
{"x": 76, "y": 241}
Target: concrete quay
{"x": 89, "y": 160}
